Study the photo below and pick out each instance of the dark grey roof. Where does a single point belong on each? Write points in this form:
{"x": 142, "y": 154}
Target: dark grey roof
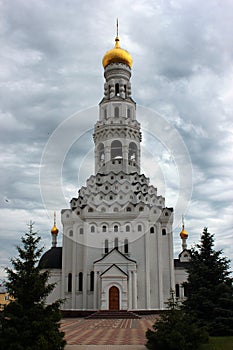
{"x": 178, "y": 263}
{"x": 52, "y": 259}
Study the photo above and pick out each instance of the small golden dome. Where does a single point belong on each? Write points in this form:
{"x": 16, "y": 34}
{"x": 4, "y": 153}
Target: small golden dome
{"x": 54, "y": 230}
{"x": 183, "y": 233}
{"x": 117, "y": 55}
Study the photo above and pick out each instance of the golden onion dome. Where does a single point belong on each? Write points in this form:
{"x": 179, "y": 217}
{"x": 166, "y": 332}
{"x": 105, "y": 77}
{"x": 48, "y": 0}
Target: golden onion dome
{"x": 117, "y": 55}
{"x": 183, "y": 233}
{"x": 54, "y": 230}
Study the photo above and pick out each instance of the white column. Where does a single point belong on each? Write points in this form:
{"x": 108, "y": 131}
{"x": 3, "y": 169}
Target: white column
{"x": 135, "y": 294}
{"x": 159, "y": 266}
{"x": 95, "y": 289}
{"x": 147, "y": 255}
{"x": 73, "y": 301}
{"x": 130, "y": 291}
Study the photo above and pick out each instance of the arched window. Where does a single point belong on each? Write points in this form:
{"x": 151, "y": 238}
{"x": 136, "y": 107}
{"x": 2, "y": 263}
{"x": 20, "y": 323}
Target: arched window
{"x": 90, "y": 210}
{"x": 139, "y": 228}
{"x": 81, "y": 231}
{"x": 70, "y": 282}
{"x": 101, "y": 152}
{"x": 132, "y": 151}
{"x": 92, "y": 281}
{"x": 127, "y": 228}
{"x": 126, "y": 246}
{"x": 104, "y": 228}
{"x": 177, "y": 290}
{"x": 128, "y": 209}
{"x": 117, "y": 89}
{"x": 105, "y": 113}
{"x": 116, "y": 150}
{"x": 128, "y": 113}
{"x": 141, "y": 209}
{"x": 164, "y": 232}
{"x": 152, "y": 229}
{"x": 116, "y": 112}
{"x": 185, "y": 289}
{"x": 115, "y": 228}
{"x": 116, "y": 243}
{"x": 92, "y": 228}
{"x": 80, "y": 281}
{"x": 106, "y": 246}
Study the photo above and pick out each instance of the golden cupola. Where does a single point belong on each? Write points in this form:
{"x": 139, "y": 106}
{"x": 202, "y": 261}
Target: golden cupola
{"x": 117, "y": 55}
{"x": 54, "y": 229}
{"x": 183, "y": 234}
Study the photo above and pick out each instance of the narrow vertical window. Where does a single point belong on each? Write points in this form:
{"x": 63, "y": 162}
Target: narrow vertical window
{"x": 106, "y": 246}
{"x": 126, "y": 246}
{"x": 92, "y": 281}
{"x": 115, "y": 228}
{"x": 177, "y": 290}
{"x": 80, "y": 281}
{"x": 185, "y": 290}
{"x": 164, "y": 232}
{"x": 127, "y": 228}
{"x": 70, "y": 282}
{"x": 116, "y": 112}
{"x": 116, "y": 243}
{"x": 117, "y": 89}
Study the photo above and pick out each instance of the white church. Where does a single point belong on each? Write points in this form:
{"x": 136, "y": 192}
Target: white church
{"x": 117, "y": 250}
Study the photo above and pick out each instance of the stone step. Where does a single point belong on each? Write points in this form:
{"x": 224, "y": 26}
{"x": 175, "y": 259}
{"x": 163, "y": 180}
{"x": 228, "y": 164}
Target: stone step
{"x": 115, "y": 314}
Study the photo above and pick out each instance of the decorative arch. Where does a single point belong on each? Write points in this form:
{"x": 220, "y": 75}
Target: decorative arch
{"x": 114, "y": 298}
{"x": 101, "y": 155}
{"x": 116, "y": 149}
{"x": 133, "y": 150}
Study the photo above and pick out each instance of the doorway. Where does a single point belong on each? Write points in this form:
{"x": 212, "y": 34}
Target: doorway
{"x": 113, "y": 298}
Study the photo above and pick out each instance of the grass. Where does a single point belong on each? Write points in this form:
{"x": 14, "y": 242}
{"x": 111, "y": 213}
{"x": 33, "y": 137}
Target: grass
{"x": 219, "y": 343}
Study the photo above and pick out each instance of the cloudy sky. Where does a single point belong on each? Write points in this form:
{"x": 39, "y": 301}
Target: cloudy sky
{"x": 51, "y": 81}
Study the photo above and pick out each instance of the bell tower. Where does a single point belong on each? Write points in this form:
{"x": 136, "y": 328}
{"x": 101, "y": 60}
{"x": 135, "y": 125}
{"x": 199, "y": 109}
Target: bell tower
{"x": 117, "y": 134}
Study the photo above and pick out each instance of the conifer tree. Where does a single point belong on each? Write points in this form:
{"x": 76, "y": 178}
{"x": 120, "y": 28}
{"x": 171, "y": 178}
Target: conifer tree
{"x": 27, "y": 323}
{"x": 175, "y": 330}
{"x": 210, "y": 288}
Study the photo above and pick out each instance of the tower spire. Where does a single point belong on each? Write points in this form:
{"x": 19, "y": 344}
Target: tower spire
{"x": 117, "y": 28}
{"x": 183, "y": 235}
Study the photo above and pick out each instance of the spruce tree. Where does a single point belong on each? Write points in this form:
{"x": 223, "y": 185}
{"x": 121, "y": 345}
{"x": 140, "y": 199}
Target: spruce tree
{"x": 210, "y": 288}
{"x": 27, "y": 323}
{"x": 175, "y": 330}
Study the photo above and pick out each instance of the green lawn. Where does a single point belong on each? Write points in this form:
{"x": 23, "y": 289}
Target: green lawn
{"x": 219, "y": 343}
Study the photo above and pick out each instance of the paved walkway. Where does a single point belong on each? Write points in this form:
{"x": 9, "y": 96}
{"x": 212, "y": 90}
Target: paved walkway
{"x": 106, "y": 334}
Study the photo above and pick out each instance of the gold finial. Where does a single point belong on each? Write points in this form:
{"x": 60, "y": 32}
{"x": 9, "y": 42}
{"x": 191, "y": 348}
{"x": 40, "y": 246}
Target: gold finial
{"x": 54, "y": 229}
{"x": 183, "y": 233}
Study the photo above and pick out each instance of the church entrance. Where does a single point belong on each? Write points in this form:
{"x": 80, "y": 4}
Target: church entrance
{"x": 113, "y": 298}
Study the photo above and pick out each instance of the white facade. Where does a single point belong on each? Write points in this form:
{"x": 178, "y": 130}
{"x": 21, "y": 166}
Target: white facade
{"x": 117, "y": 248}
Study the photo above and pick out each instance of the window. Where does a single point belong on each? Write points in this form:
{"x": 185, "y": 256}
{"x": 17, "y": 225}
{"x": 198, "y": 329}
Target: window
{"x": 116, "y": 243}
{"x": 139, "y": 228}
{"x": 115, "y": 228}
{"x": 92, "y": 228}
{"x": 80, "y": 281}
{"x": 70, "y": 282}
{"x": 185, "y": 290}
{"x": 164, "y": 232}
{"x": 90, "y": 210}
{"x": 101, "y": 152}
{"x": 126, "y": 246}
{"x": 141, "y": 208}
{"x": 177, "y": 290}
{"x": 128, "y": 113}
{"x": 116, "y": 112}
{"x": 116, "y": 149}
{"x": 152, "y": 229}
{"x": 117, "y": 89}
{"x": 127, "y": 228}
{"x": 128, "y": 209}
{"x": 106, "y": 246}
{"x": 132, "y": 151}
{"x": 104, "y": 228}
{"x": 92, "y": 281}
{"x": 81, "y": 231}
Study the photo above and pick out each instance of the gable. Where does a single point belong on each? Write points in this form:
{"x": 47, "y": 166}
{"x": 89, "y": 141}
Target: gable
{"x": 114, "y": 257}
{"x": 114, "y": 271}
